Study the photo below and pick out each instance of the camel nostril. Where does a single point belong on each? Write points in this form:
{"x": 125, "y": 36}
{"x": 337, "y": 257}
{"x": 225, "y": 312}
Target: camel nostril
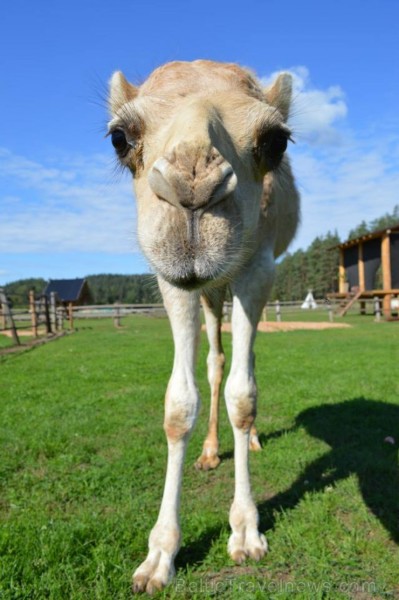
{"x": 160, "y": 179}
{"x": 199, "y": 187}
{"x": 226, "y": 185}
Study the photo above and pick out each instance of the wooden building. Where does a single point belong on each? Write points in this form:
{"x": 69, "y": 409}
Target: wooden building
{"x": 69, "y": 292}
{"x": 369, "y": 267}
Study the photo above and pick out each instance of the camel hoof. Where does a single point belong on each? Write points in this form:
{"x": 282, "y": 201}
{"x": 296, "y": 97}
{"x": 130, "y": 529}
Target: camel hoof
{"x": 206, "y": 463}
{"x": 254, "y": 444}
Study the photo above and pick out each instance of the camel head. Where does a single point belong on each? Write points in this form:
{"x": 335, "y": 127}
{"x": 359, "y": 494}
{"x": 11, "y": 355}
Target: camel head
{"x": 199, "y": 139}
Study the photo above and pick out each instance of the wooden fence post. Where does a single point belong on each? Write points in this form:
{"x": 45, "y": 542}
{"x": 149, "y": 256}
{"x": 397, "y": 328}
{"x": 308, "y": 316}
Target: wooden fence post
{"x": 60, "y": 318}
{"x": 3, "y": 317}
{"x": 377, "y": 309}
{"x": 53, "y": 311}
{"x": 117, "y": 316}
{"x": 32, "y": 309}
{"x": 264, "y": 314}
{"x": 46, "y": 314}
{"x": 329, "y": 309}
{"x": 278, "y": 311}
{"x": 70, "y": 315}
{"x": 330, "y": 313}
{"x": 225, "y": 312}
{"x": 8, "y": 316}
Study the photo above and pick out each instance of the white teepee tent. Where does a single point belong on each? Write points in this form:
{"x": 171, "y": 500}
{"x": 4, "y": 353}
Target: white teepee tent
{"x": 309, "y": 301}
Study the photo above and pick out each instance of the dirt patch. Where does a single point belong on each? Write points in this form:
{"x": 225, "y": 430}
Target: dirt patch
{"x": 21, "y": 332}
{"x": 272, "y": 326}
{"x": 33, "y": 343}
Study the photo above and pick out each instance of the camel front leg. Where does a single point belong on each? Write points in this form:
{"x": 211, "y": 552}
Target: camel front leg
{"x": 213, "y": 308}
{"x": 212, "y": 303}
{"x": 181, "y": 408}
{"x": 249, "y": 296}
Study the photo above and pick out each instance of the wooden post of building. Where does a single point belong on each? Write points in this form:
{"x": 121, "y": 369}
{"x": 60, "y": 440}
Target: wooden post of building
{"x": 341, "y": 273}
{"x": 5, "y": 307}
{"x": 32, "y": 309}
{"x": 70, "y": 315}
{"x": 360, "y": 265}
{"x": 278, "y": 311}
{"x": 53, "y": 311}
{"x": 386, "y": 272}
{"x": 362, "y": 280}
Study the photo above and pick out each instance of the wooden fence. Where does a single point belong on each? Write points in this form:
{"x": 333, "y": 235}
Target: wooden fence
{"x": 114, "y": 311}
{"x": 273, "y": 311}
{"x": 44, "y": 317}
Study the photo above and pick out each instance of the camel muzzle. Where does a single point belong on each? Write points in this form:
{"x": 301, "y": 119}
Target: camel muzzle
{"x": 191, "y": 179}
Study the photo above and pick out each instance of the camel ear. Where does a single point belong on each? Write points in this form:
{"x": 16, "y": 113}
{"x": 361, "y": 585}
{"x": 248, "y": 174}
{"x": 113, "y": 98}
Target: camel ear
{"x": 120, "y": 92}
{"x": 279, "y": 94}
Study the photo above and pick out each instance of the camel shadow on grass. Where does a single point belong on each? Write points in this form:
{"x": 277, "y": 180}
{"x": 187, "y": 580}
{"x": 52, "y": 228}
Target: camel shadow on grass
{"x": 356, "y": 431}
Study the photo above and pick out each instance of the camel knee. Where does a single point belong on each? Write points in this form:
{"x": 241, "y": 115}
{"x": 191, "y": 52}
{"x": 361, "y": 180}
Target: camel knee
{"x": 242, "y": 412}
{"x": 241, "y": 404}
{"x": 177, "y": 425}
{"x": 180, "y": 414}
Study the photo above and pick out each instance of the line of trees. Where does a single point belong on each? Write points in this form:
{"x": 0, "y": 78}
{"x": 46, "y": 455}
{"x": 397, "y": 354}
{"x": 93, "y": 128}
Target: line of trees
{"x": 387, "y": 220}
{"x": 315, "y": 268}
{"x": 129, "y": 289}
{"x": 105, "y": 289}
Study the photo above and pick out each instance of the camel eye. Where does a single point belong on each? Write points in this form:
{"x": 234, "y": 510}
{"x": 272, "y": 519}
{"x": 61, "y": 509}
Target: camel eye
{"x": 278, "y": 144}
{"x": 119, "y": 140}
{"x": 270, "y": 148}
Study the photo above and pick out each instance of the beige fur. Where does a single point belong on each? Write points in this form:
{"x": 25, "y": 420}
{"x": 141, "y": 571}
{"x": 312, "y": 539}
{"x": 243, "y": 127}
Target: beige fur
{"x": 216, "y": 204}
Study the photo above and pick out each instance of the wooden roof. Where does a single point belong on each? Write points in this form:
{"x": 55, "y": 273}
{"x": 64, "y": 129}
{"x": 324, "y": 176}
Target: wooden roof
{"x": 67, "y": 290}
{"x": 368, "y": 236}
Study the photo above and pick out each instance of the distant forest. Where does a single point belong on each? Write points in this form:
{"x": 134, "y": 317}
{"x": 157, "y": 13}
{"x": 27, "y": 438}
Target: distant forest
{"x": 105, "y": 289}
{"x": 315, "y": 268}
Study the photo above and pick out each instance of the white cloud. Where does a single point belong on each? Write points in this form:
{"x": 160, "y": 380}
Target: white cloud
{"x": 345, "y": 185}
{"x": 344, "y": 176}
{"x": 314, "y": 112}
{"x": 72, "y": 207}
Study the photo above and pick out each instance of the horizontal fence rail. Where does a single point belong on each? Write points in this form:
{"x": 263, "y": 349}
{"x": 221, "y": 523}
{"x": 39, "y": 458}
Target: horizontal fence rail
{"x": 326, "y": 308}
{"x": 45, "y": 316}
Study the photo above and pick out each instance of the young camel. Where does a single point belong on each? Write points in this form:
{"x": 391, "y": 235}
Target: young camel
{"x": 216, "y": 204}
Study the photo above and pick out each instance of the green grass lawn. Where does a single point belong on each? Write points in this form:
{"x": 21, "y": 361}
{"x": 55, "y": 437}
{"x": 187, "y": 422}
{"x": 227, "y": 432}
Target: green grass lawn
{"x": 5, "y": 341}
{"x": 83, "y": 457}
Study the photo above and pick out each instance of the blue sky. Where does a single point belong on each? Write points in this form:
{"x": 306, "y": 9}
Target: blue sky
{"x": 63, "y": 210}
